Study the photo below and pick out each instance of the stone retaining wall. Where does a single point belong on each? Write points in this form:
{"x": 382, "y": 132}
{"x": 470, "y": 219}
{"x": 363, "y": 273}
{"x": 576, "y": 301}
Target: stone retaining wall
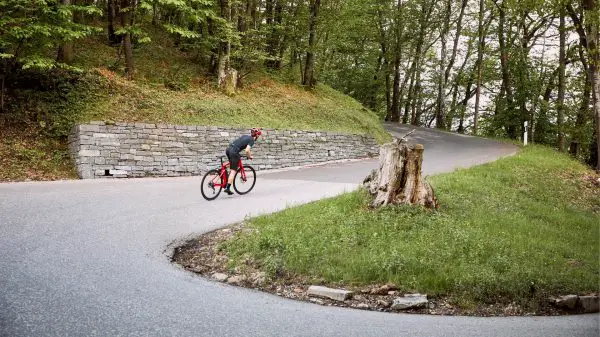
{"x": 119, "y": 150}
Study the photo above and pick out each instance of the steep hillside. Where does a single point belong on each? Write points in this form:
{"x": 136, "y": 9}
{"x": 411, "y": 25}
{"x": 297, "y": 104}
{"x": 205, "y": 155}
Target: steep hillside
{"x": 169, "y": 88}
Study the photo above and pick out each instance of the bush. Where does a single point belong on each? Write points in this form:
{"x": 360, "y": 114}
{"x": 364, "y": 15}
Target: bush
{"x": 51, "y": 99}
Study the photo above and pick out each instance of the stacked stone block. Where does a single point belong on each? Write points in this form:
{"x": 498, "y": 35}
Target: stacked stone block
{"x": 118, "y": 150}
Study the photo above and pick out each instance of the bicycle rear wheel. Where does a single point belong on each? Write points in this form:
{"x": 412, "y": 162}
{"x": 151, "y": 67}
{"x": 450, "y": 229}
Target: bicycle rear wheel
{"x": 208, "y": 188}
{"x": 241, "y": 185}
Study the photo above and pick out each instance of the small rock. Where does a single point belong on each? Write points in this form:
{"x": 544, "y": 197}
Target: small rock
{"x": 298, "y": 290}
{"x": 567, "y": 301}
{"x": 258, "y": 277}
{"x": 393, "y": 292}
{"x": 410, "y": 301}
{"x": 358, "y": 298}
{"x": 219, "y": 277}
{"x": 589, "y": 303}
{"x": 383, "y": 303}
{"x": 362, "y": 306}
{"x": 316, "y": 300}
{"x": 383, "y": 290}
{"x": 334, "y": 294}
{"x": 237, "y": 279}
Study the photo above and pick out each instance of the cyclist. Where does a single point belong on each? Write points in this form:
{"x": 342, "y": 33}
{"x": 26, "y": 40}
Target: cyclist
{"x": 244, "y": 143}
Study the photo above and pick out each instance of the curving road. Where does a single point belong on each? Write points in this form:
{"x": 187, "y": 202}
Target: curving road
{"x": 89, "y": 258}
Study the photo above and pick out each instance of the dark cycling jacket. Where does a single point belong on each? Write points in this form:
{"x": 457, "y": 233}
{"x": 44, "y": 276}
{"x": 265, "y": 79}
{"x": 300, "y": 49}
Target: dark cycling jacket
{"x": 241, "y": 143}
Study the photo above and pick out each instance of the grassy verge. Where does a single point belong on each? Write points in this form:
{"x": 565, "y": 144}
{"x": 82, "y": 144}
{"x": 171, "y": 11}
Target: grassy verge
{"x": 265, "y": 103}
{"x": 516, "y": 230}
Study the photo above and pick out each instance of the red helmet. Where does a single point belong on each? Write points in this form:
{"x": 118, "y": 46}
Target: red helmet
{"x": 255, "y": 132}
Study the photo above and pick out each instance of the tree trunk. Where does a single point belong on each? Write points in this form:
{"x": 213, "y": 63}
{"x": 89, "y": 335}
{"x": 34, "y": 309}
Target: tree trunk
{"x": 584, "y": 108}
{"x": 126, "y": 22}
{"x": 416, "y": 92}
{"x": 398, "y": 179}
{"x": 409, "y": 96}
{"x": 279, "y": 40}
{"x": 462, "y": 106}
{"x": 386, "y": 64}
{"x": 593, "y": 40}
{"x": 589, "y": 37}
{"x": 227, "y": 78}
{"x": 560, "y": 109}
{"x": 480, "y": 49}
{"x": 426, "y": 10}
{"x": 452, "y": 112}
{"x": 440, "y": 111}
{"x": 395, "y": 109}
{"x": 2, "y": 93}
{"x": 457, "y": 79}
{"x": 457, "y": 37}
{"x": 273, "y": 19}
{"x": 65, "y": 50}
{"x": 395, "y": 113}
{"x": 111, "y": 13}
{"x": 308, "y": 78}
{"x": 511, "y": 126}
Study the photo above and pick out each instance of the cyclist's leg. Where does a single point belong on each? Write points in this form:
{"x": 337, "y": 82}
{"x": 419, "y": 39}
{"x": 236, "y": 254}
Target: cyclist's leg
{"x": 234, "y": 159}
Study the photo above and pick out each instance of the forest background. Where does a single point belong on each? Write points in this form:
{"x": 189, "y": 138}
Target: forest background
{"x": 479, "y": 67}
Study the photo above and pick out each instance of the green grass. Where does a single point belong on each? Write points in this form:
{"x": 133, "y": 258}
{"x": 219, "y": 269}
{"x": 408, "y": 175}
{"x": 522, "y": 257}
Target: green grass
{"x": 519, "y": 229}
{"x": 266, "y": 104}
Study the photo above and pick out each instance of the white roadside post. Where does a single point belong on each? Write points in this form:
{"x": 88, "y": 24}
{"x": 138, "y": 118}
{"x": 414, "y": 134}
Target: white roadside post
{"x": 525, "y": 134}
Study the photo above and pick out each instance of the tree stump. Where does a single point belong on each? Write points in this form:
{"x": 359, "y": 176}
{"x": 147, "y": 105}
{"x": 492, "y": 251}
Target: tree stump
{"x": 228, "y": 81}
{"x": 398, "y": 179}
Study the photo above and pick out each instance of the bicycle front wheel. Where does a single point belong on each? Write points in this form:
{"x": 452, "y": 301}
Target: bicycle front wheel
{"x": 244, "y": 183}
{"x": 208, "y": 188}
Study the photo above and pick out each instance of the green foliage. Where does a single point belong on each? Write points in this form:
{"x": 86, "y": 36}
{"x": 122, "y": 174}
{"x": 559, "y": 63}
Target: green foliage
{"x": 192, "y": 18}
{"x": 531, "y": 219}
{"x": 184, "y": 33}
{"x": 28, "y": 29}
{"x": 51, "y": 99}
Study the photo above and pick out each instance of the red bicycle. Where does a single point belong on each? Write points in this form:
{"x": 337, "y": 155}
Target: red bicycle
{"x": 214, "y": 180}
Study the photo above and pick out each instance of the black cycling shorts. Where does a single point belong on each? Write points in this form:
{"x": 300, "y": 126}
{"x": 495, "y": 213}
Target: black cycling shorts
{"x": 234, "y": 159}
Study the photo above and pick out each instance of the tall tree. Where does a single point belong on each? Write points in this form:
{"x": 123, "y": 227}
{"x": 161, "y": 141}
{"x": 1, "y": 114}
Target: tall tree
{"x": 440, "y": 114}
{"x": 65, "y": 50}
{"x": 592, "y": 16}
{"x": 308, "y": 79}
{"x": 480, "y": 49}
{"x": 398, "y": 32}
{"x": 561, "y": 80}
{"x": 127, "y": 10}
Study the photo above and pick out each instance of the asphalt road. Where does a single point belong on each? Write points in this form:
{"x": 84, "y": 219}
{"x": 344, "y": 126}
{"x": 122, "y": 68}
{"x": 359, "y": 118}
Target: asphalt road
{"x": 90, "y": 258}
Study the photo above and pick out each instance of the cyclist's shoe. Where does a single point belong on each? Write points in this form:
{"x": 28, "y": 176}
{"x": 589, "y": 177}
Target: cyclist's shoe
{"x": 228, "y": 191}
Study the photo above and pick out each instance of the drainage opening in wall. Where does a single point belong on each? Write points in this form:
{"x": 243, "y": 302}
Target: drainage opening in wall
{"x": 107, "y": 173}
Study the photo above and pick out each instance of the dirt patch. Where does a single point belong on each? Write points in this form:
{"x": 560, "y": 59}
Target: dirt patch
{"x": 205, "y": 256}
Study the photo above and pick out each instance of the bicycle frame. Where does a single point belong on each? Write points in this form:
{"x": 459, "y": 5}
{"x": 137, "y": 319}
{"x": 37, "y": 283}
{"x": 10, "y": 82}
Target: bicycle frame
{"x": 223, "y": 172}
